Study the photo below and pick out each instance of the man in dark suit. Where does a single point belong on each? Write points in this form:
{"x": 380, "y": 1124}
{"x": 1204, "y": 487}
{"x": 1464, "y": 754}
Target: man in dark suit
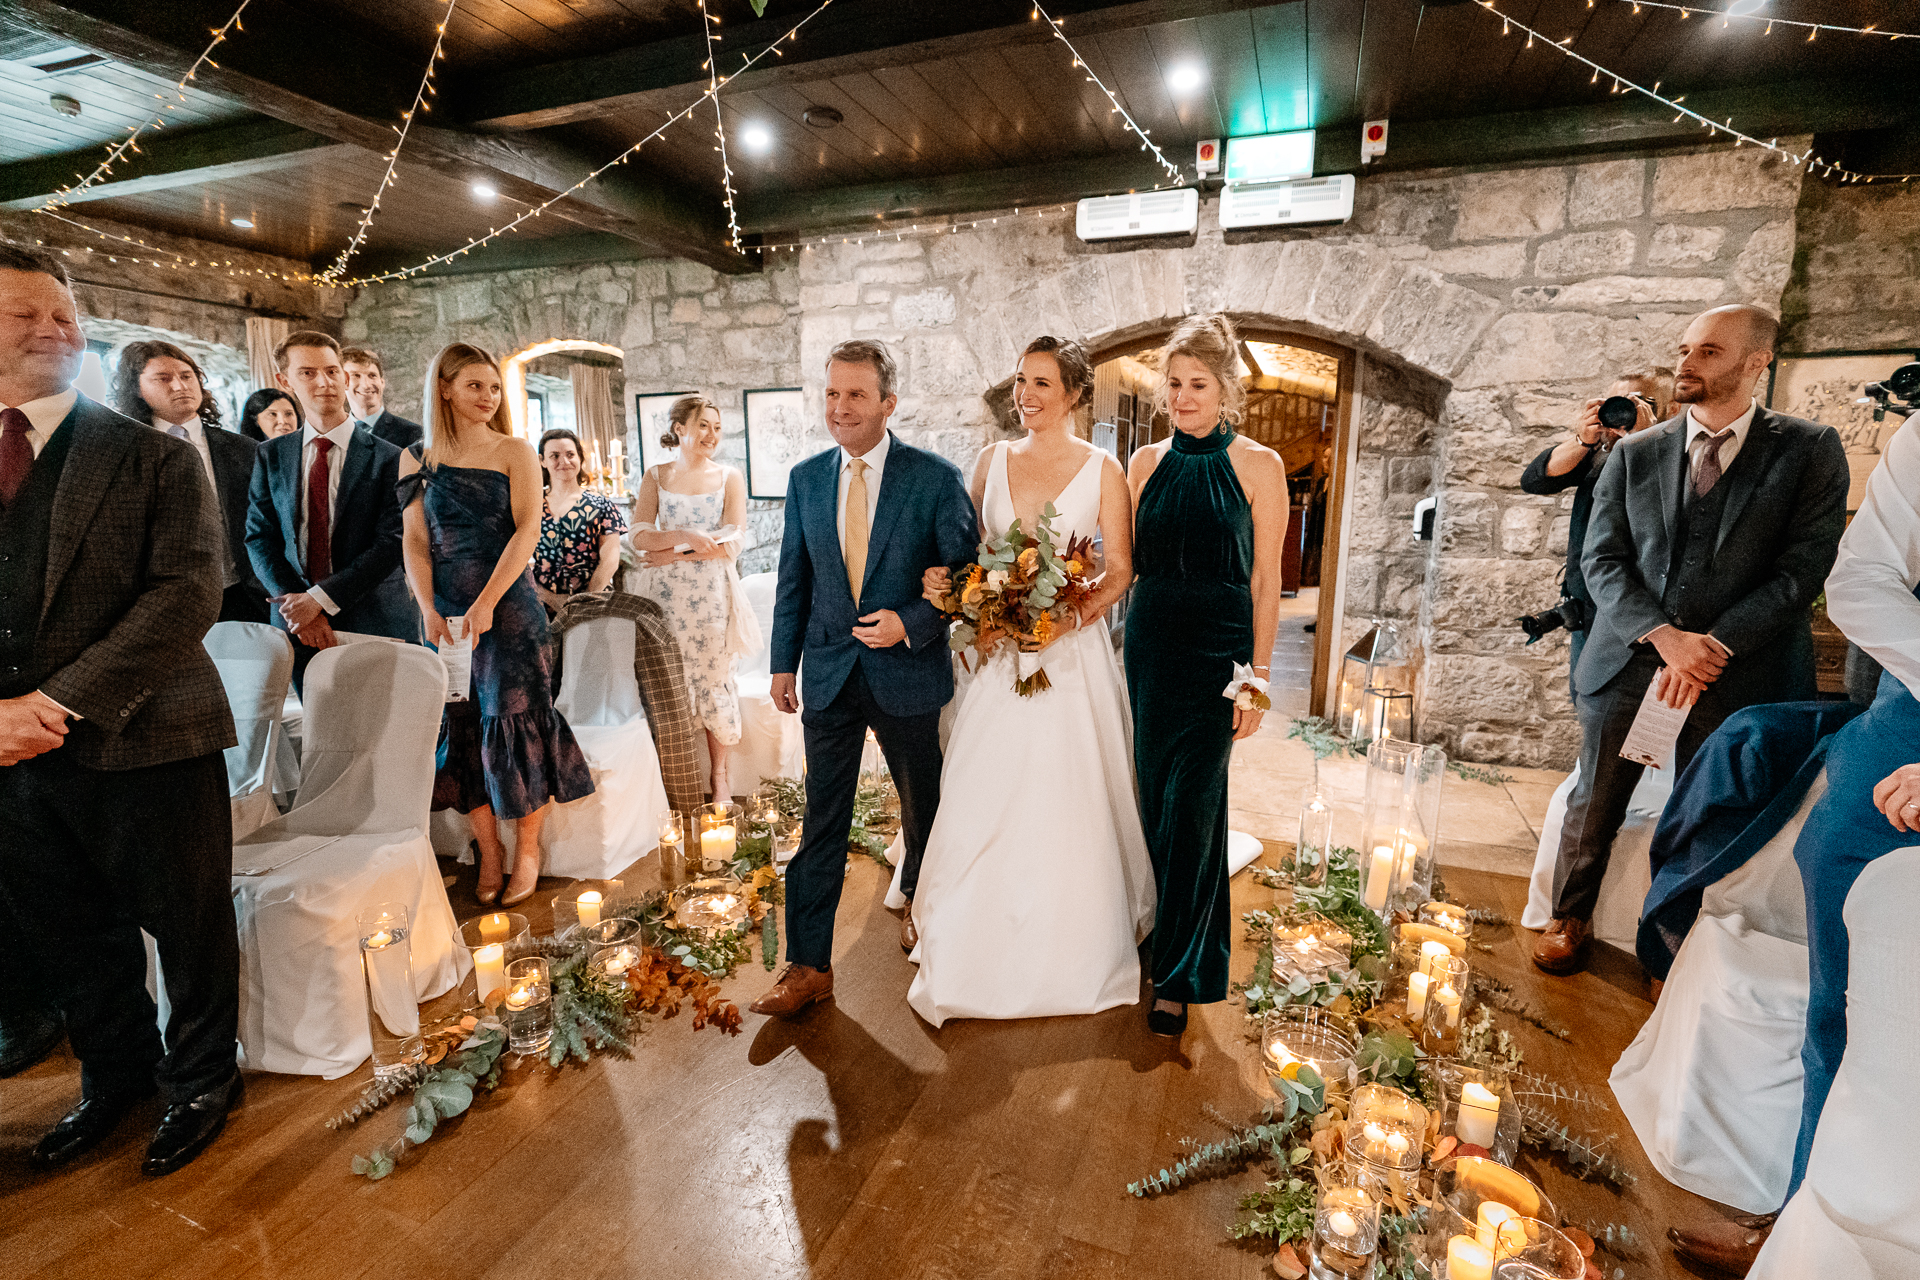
{"x": 160, "y": 383}
{"x": 1710, "y": 536}
{"x": 323, "y": 523}
{"x": 367, "y": 395}
{"x": 863, "y": 522}
{"x": 112, "y": 724}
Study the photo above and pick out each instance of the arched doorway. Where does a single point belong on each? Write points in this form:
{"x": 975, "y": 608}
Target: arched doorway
{"x": 578, "y": 384}
{"x": 1300, "y": 404}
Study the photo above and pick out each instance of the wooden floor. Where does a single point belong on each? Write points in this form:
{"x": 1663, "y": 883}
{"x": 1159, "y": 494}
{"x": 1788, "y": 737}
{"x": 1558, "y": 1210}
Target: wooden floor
{"x": 854, "y": 1143}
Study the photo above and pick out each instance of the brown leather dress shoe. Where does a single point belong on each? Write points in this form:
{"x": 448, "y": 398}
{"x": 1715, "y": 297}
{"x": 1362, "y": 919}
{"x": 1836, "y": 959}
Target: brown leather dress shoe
{"x": 909, "y": 933}
{"x": 799, "y": 985}
{"x": 1730, "y": 1246}
{"x": 1562, "y": 949}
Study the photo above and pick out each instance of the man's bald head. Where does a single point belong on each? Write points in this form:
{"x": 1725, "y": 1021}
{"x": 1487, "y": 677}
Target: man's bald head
{"x": 1722, "y": 355}
{"x": 1762, "y": 330}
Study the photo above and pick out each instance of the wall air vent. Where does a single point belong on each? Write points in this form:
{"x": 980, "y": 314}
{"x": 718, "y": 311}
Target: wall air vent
{"x": 1278, "y": 204}
{"x": 1144, "y": 213}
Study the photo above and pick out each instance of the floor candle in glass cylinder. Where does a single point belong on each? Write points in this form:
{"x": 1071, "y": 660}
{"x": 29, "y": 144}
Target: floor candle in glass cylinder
{"x": 1346, "y": 1229}
{"x": 1528, "y": 1249}
{"x": 673, "y": 849}
{"x": 528, "y": 1008}
{"x": 486, "y": 940}
{"x": 1446, "y": 989}
{"x": 393, "y": 1010}
{"x": 1478, "y": 1117}
{"x": 1307, "y": 869}
{"x": 721, "y": 825}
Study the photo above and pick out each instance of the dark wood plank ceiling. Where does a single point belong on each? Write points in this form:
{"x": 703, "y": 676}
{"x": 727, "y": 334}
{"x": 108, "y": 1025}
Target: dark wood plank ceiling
{"x": 988, "y": 92}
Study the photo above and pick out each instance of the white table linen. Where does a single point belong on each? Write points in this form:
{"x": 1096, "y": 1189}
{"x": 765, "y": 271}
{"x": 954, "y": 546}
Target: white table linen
{"x": 1623, "y": 891}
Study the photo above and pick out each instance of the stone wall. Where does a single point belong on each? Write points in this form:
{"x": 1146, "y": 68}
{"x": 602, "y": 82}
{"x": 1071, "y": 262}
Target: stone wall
{"x": 1856, "y": 272}
{"x": 1488, "y": 306}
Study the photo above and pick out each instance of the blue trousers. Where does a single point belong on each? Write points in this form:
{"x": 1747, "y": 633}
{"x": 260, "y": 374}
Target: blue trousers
{"x": 1843, "y": 834}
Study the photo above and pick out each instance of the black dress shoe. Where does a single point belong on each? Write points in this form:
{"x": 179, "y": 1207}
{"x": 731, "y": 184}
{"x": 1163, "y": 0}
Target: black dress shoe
{"x": 26, "y": 1036}
{"x": 83, "y": 1128}
{"x": 1170, "y": 1025}
{"x": 187, "y": 1127}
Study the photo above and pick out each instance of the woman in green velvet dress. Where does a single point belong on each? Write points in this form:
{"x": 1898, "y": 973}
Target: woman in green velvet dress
{"x": 1210, "y": 516}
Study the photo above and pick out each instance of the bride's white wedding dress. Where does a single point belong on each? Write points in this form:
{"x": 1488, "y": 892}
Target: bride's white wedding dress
{"x": 1036, "y": 888}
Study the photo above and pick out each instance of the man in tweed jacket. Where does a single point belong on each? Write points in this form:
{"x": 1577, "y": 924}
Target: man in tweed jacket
{"x": 112, "y": 724}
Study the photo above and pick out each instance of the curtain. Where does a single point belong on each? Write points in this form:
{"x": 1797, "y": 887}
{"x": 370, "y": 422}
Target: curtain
{"x": 263, "y": 335}
{"x": 593, "y": 412}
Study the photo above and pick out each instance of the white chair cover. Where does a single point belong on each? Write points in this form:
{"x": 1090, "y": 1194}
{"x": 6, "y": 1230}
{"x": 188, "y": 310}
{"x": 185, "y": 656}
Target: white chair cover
{"x": 771, "y": 742}
{"x": 358, "y": 837}
{"x": 255, "y": 662}
{"x": 286, "y": 781}
{"x": 597, "y": 836}
{"x": 1712, "y": 1083}
{"x": 1616, "y": 918}
{"x": 1857, "y": 1214}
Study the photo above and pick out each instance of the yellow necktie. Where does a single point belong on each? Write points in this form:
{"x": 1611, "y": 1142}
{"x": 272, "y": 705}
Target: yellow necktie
{"x": 856, "y": 553}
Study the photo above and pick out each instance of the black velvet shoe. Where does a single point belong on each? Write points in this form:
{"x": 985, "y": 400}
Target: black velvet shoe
{"x": 26, "y": 1036}
{"x": 186, "y": 1128}
{"x": 1170, "y": 1025}
{"x": 84, "y": 1127}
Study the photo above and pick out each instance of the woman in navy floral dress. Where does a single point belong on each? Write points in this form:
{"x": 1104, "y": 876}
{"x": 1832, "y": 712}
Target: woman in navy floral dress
{"x": 579, "y": 547}
{"x": 470, "y": 498}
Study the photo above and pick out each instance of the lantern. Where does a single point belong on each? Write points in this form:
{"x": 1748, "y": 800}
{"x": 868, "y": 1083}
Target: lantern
{"x": 1377, "y": 662}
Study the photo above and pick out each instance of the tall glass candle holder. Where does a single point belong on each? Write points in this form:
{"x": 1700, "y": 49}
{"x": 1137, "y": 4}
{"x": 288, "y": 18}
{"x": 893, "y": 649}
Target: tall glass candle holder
{"x": 1409, "y": 974}
{"x": 1346, "y": 1228}
{"x": 1529, "y": 1249}
{"x": 719, "y": 827}
{"x": 673, "y": 847}
{"x": 393, "y": 1010}
{"x": 528, "y": 1008}
{"x": 1399, "y": 824}
{"x": 1309, "y": 863}
{"x": 487, "y": 939}
{"x": 763, "y": 810}
{"x": 1446, "y": 992}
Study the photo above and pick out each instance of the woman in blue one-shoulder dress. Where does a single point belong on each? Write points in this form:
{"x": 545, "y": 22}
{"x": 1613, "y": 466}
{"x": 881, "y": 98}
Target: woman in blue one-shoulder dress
{"x": 470, "y": 496}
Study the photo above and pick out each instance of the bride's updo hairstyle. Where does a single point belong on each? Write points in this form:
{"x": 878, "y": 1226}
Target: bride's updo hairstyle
{"x": 684, "y": 410}
{"x": 1213, "y": 342}
{"x": 1076, "y": 371}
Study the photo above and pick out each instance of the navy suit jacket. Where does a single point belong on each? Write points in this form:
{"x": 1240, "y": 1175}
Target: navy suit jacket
{"x": 924, "y": 518}
{"x": 397, "y": 431}
{"x": 233, "y": 455}
{"x": 366, "y": 582}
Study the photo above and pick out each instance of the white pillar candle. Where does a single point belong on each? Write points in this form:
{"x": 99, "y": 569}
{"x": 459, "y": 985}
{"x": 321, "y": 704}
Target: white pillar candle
{"x": 588, "y": 905}
{"x": 718, "y": 844}
{"x": 489, "y": 970}
{"x": 1416, "y": 995}
{"x": 493, "y": 928}
{"x": 1468, "y": 1259}
{"x": 1449, "y": 1000}
{"x": 1379, "y": 878}
{"x": 1493, "y": 1215}
{"x": 1431, "y": 951}
{"x": 1478, "y": 1117}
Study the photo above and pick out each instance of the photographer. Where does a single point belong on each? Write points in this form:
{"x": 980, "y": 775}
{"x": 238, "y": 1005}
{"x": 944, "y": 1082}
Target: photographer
{"x": 1575, "y": 464}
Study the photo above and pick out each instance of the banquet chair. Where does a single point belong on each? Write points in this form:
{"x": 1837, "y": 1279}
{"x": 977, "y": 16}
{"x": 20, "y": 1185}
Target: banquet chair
{"x": 1629, "y": 875}
{"x": 1712, "y": 1083}
{"x": 286, "y": 782}
{"x": 357, "y": 837}
{"x": 255, "y": 662}
{"x": 771, "y": 741}
{"x": 1857, "y": 1212}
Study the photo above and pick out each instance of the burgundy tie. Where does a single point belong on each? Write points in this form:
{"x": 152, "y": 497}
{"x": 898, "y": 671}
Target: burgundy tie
{"x": 16, "y": 453}
{"x": 1706, "y": 472}
{"x": 319, "y": 514}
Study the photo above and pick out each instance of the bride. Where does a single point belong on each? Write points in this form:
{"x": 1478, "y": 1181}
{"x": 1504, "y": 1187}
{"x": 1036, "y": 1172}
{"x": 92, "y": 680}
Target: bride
{"x": 1036, "y": 886}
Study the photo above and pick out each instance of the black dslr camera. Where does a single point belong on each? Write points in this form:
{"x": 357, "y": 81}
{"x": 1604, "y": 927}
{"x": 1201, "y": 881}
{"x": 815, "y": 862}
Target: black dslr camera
{"x": 1571, "y": 613}
{"x": 1900, "y": 392}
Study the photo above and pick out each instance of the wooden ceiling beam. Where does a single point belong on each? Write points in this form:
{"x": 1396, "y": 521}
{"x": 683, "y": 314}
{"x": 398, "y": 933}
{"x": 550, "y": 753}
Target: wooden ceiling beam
{"x": 182, "y": 158}
{"x": 305, "y": 69}
{"x": 849, "y": 36}
{"x": 510, "y": 254}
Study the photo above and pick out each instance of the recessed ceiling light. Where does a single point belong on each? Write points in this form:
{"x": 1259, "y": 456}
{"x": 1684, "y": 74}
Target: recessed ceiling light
{"x": 1186, "y": 77}
{"x": 66, "y": 104}
{"x": 485, "y": 192}
{"x": 822, "y": 117}
{"x": 245, "y": 224}
{"x": 755, "y": 138}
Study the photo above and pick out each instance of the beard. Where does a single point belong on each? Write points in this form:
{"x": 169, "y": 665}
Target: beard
{"x": 1694, "y": 390}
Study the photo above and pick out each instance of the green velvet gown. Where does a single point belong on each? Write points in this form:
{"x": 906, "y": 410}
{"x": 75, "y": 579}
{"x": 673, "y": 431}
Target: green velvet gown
{"x": 1190, "y": 620}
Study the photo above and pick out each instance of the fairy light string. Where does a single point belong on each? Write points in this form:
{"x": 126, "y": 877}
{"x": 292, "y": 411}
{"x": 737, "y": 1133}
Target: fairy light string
{"x": 1728, "y": 17}
{"x": 388, "y": 178}
{"x": 1625, "y": 84}
{"x": 1080, "y": 63}
{"x": 708, "y": 23}
{"x": 130, "y": 143}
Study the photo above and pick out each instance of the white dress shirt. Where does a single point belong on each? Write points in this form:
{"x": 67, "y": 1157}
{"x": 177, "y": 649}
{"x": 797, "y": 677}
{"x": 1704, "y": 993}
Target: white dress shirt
{"x": 44, "y": 416}
{"x": 340, "y": 437}
{"x": 876, "y": 460}
{"x": 197, "y": 437}
{"x": 1870, "y": 591}
{"x": 1729, "y": 449}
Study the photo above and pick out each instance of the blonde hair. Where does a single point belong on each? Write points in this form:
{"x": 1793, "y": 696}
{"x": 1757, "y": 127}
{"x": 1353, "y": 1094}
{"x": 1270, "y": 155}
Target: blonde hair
{"x": 1212, "y": 341}
{"x": 436, "y": 415}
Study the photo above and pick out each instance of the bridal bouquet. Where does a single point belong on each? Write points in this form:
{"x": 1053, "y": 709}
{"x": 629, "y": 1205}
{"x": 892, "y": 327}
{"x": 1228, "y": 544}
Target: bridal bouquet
{"x": 1022, "y": 588}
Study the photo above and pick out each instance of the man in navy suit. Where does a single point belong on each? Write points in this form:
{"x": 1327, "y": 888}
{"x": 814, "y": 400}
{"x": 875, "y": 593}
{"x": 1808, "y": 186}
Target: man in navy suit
{"x": 864, "y": 521}
{"x": 323, "y": 521}
{"x": 367, "y": 396}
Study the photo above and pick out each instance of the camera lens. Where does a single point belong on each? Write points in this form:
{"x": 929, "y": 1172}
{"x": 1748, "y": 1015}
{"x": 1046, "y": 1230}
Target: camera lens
{"x": 1905, "y": 381}
{"x": 1619, "y": 413}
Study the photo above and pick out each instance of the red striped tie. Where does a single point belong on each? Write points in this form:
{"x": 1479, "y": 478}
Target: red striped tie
{"x": 16, "y": 453}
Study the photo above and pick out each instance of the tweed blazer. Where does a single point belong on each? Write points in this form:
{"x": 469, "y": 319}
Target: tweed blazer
{"x": 133, "y": 584}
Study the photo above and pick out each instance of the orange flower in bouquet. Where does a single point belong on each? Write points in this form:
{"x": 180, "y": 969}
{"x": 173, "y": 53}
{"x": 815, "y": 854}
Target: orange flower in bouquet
{"x": 1022, "y": 588}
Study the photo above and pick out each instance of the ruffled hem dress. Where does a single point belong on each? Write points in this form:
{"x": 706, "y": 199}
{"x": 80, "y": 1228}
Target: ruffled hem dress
{"x": 507, "y": 747}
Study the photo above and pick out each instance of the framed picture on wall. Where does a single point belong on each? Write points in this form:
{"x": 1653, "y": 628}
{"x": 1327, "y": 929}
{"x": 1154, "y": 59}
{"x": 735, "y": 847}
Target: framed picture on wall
{"x": 776, "y": 438}
{"x": 1825, "y": 387}
{"x": 652, "y": 420}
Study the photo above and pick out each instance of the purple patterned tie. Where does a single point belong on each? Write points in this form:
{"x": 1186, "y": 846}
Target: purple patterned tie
{"x": 16, "y": 453}
{"x": 1706, "y": 470}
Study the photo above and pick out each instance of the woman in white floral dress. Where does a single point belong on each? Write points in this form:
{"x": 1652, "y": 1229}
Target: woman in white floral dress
{"x": 688, "y": 517}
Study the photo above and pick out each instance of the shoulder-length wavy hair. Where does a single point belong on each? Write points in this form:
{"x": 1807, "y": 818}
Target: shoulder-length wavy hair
{"x": 134, "y": 359}
{"x": 1212, "y": 341}
{"x": 436, "y": 413}
{"x": 257, "y": 404}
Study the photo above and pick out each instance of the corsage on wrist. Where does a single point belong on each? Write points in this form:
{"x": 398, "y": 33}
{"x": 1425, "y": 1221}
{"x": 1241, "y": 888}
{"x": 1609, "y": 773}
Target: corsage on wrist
{"x": 1247, "y": 691}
